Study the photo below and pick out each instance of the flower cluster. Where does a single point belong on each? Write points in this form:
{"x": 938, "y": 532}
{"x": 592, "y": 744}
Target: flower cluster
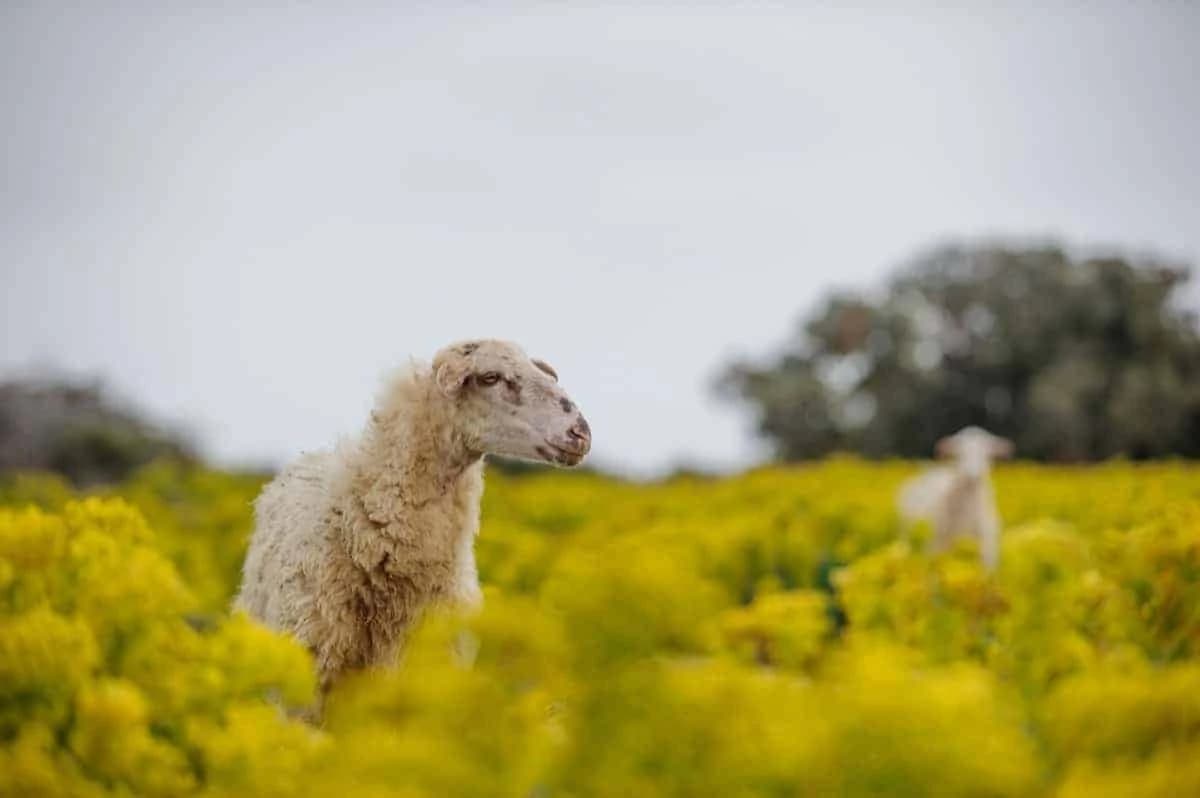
{"x": 775, "y": 633}
{"x": 110, "y": 683}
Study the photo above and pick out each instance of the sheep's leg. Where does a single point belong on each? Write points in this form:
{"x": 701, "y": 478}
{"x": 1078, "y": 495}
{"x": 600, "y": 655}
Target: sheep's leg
{"x": 465, "y": 591}
{"x": 314, "y": 714}
{"x": 943, "y": 534}
{"x": 989, "y": 541}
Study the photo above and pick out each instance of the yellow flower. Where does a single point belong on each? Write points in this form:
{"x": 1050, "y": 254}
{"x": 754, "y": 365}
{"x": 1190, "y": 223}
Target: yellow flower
{"x": 766, "y": 634}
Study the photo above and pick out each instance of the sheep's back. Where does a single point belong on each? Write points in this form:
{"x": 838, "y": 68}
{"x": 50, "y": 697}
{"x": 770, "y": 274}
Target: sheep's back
{"x": 922, "y": 496}
{"x": 288, "y": 543}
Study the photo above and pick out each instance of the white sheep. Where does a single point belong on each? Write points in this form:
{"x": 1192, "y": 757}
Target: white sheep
{"x": 351, "y": 545}
{"x": 957, "y": 499}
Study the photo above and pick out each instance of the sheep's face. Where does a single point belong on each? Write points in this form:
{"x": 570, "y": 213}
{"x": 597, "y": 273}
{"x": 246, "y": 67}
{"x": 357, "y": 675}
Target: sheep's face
{"x": 973, "y": 449}
{"x": 508, "y": 404}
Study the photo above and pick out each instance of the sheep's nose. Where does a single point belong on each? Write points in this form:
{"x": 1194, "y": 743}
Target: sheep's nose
{"x": 581, "y": 434}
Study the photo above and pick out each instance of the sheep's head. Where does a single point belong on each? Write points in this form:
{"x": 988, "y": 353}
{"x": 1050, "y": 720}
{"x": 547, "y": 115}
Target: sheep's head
{"x": 505, "y": 403}
{"x": 974, "y": 449}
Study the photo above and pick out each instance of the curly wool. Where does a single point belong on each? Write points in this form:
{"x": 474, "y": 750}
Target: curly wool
{"x": 352, "y": 545}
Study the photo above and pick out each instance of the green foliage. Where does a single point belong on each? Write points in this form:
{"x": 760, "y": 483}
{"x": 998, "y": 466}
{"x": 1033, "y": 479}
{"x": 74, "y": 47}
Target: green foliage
{"x": 1071, "y": 359}
{"x": 767, "y": 634}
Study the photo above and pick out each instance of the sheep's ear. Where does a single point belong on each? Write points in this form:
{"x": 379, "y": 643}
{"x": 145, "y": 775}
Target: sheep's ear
{"x": 451, "y": 374}
{"x": 946, "y": 447}
{"x": 1002, "y": 447}
{"x": 544, "y": 366}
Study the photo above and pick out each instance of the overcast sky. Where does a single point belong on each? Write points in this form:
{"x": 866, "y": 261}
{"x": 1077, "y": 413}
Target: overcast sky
{"x": 242, "y": 219}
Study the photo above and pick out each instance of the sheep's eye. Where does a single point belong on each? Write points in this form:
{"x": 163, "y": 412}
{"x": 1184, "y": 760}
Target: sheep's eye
{"x": 490, "y": 378}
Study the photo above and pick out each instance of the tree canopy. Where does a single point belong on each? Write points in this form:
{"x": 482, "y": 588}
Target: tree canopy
{"x": 1071, "y": 358}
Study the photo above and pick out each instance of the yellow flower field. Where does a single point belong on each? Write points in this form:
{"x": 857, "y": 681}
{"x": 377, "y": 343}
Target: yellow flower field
{"x": 767, "y": 634}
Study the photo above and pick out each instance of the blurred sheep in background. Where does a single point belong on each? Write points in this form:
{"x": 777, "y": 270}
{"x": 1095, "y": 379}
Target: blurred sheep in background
{"x": 957, "y": 499}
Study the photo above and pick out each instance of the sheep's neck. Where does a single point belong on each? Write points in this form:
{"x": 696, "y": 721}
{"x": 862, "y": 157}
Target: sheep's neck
{"x": 412, "y": 456}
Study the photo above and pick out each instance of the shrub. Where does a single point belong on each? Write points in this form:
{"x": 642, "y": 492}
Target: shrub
{"x": 759, "y": 635}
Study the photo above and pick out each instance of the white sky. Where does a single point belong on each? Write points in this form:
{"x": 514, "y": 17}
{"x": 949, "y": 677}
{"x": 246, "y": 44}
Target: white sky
{"x": 241, "y": 219}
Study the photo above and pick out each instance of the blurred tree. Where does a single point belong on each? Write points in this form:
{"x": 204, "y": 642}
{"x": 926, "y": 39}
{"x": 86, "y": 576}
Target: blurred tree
{"x": 1072, "y": 359}
{"x": 76, "y": 430}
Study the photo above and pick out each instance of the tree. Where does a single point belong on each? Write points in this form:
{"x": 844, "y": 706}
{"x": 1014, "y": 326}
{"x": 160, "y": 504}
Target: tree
{"x": 1073, "y": 359}
{"x": 76, "y": 430}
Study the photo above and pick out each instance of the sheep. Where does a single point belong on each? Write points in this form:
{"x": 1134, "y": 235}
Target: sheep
{"x": 350, "y": 546}
{"x": 957, "y": 499}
